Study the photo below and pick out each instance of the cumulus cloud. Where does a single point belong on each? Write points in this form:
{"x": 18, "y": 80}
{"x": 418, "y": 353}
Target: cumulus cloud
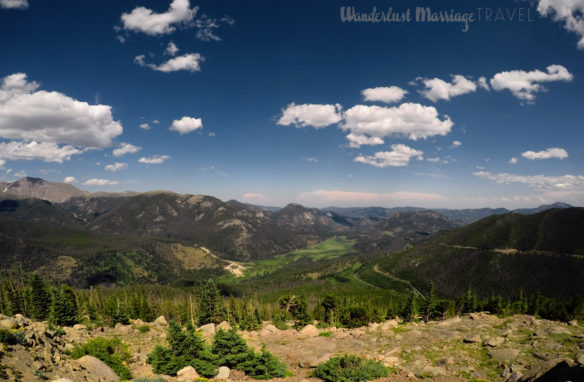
{"x": 483, "y": 83}
{"x": 14, "y": 4}
{"x": 513, "y": 160}
{"x": 27, "y": 113}
{"x": 438, "y": 89}
{"x": 456, "y": 144}
{"x": 314, "y": 115}
{"x": 399, "y": 156}
{"x": 311, "y": 159}
{"x": 538, "y": 181}
{"x": 31, "y": 150}
{"x": 156, "y": 159}
{"x": 190, "y": 62}
{"x": 356, "y": 140}
{"x": 145, "y": 20}
{"x": 70, "y": 179}
{"x": 125, "y": 148}
{"x": 116, "y": 167}
{"x": 171, "y": 49}
{"x": 523, "y": 85}
{"x": 253, "y": 197}
{"x": 551, "y": 153}
{"x": 384, "y": 94}
{"x": 145, "y": 126}
{"x": 100, "y": 182}
{"x": 186, "y": 125}
{"x": 353, "y": 199}
{"x": 410, "y": 120}
{"x": 568, "y": 12}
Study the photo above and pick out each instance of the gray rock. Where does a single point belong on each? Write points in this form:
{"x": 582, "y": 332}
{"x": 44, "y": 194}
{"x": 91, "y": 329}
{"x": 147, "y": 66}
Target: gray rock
{"x": 580, "y": 357}
{"x": 224, "y": 326}
{"x": 542, "y": 369}
{"x": 493, "y": 341}
{"x": 207, "y": 331}
{"x": 472, "y": 339}
{"x": 97, "y": 369}
{"x": 558, "y": 330}
{"x": 223, "y": 373}
{"x": 503, "y": 355}
{"x": 9, "y": 323}
{"x": 62, "y": 380}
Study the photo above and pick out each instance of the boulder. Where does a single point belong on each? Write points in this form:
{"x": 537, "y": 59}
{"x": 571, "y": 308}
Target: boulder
{"x": 21, "y": 321}
{"x": 207, "y": 331}
{"x": 97, "y": 369}
{"x": 448, "y": 322}
{"x": 503, "y": 355}
{"x": 223, "y": 325}
{"x": 62, "y": 380}
{"x": 313, "y": 360}
{"x": 187, "y": 374}
{"x": 558, "y": 330}
{"x": 549, "y": 371}
{"x": 223, "y": 373}
{"x": 123, "y": 329}
{"x": 161, "y": 321}
{"x": 309, "y": 330}
{"x": 580, "y": 358}
{"x": 473, "y": 339}
{"x": 493, "y": 341}
{"x": 9, "y": 323}
{"x": 573, "y": 322}
{"x": 79, "y": 327}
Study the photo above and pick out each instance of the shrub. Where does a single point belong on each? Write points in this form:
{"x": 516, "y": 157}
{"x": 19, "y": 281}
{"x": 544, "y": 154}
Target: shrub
{"x": 263, "y": 366}
{"x": 112, "y": 351}
{"x": 144, "y": 329}
{"x": 350, "y": 368}
{"x": 355, "y": 316}
{"x": 185, "y": 348}
{"x": 7, "y": 337}
{"x": 230, "y": 348}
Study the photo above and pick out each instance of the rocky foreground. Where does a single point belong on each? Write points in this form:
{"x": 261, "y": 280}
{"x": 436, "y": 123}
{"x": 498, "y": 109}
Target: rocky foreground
{"x": 477, "y": 346}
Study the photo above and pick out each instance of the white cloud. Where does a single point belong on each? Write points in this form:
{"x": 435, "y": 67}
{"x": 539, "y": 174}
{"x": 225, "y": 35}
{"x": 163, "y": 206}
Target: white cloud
{"x": 186, "y": 125}
{"x": 156, "y": 122}
{"x": 145, "y": 126}
{"x": 354, "y": 199}
{"x": 206, "y": 27}
{"x": 145, "y": 20}
{"x": 551, "y": 153}
{"x": 189, "y": 62}
{"x": 171, "y": 49}
{"x": 513, "y": 160}
{"x": 311, "y": 159}
{"x": 116, "y": 167}
{"x": 156, "y": 159}
{"x": 125, "y": 148}
{"x": 384, "y": 94}
{"x": 539, "y": 181}
{"x": 483, "y": 83}
{"x": 437, "y": 89}
{"x": 32, "y": 150}
{"x": 27, "y": 113}
{"x": 433, "y": 160}
{"x": 70, "y": 179}
{"x": 570, "y": 12}
{"x": 100, "y": 182}
{"x": 524, "y": 85}
{"x": 411, "y": 120}
{"x": 356, "y": 140}
{"x": 399, "y": 156}
{"x": 313, "y": 115}
{"x": 14, "y": 4}
{"x": 20, "y": 174}
{"x": 253, "y": 197}
{"x": 456, "y": 144}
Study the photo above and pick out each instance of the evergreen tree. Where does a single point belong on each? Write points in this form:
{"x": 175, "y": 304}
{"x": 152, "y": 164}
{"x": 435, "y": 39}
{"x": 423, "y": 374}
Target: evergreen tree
{"x": 429, "y": 308}
{"x": 330, "y": 306}
{"x": 410, "y": 312}
{"x": 40, "y": 298}
{"x": 230, "y": 348}
{"x": 210, "y": 304}
{"x": 121, "y": 314}
{"x": 63, "y": 306}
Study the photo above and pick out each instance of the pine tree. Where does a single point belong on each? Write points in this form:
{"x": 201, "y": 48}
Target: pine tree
{"x": 230, "y": 348}
{"x": 330, "y": 305}
{"x": 410, "y": 312}
{"x": 210, "y": 304}
{"x": 429, "y": 307}
{"x": 63, "y": 306}
{"x": 40, "y": 298}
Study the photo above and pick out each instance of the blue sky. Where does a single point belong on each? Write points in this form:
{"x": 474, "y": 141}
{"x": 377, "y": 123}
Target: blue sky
{"x": 275, "y": 102}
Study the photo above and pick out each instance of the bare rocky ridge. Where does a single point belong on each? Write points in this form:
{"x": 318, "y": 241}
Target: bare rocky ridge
{"x": 42, "y": 189}
{"x": 477, "y": 346}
